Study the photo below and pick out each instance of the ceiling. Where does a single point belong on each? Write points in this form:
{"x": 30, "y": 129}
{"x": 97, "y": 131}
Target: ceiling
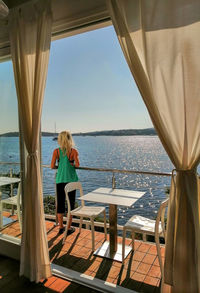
{"x": 13, "y": 3}
{"x": 70, "y": 17}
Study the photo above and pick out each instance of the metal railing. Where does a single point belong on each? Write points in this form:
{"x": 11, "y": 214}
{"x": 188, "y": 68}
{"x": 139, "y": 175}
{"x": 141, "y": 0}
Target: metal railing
{"x": 104, "y": 170}
{"x": 123, "y": 171}
{"x": 113, "y": 171}
{"x": 119, "y": 171}
{"x": 9, "y": 163}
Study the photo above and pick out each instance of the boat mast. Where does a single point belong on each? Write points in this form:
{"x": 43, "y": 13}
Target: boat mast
{"x": 55, "y": 129}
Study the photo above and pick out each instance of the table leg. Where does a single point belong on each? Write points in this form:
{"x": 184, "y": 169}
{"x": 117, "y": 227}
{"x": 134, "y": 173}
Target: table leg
{"x": 111, "y": 249}
{"x": 113, "y": 228}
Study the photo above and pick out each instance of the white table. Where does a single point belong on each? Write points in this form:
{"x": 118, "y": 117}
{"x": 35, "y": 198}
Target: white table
{"x": 7, "y": 181}
{"x": 113, "y": 197}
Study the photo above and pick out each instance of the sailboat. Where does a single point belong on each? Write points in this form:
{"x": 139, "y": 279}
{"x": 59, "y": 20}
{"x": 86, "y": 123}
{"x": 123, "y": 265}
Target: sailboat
{"x": 55, "y": 134}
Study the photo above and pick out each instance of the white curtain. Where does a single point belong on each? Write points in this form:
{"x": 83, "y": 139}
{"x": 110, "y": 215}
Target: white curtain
{"x": 30, "y": 37}
{"x": 161, "y": 43}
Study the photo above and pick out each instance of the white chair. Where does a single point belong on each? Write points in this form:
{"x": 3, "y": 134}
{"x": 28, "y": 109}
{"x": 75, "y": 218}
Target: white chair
{"x": 13, "y": 201}
{"x": 147, "y": 226}
{"x": 83, "y": 211}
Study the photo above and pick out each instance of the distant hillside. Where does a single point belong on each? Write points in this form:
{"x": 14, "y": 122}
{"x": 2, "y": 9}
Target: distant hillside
{"x": 121, "y": 132}
{"x": 16, "y": 134}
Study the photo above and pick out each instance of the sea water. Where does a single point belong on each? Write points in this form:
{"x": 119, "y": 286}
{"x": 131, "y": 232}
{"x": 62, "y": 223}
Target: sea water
{"x": 141, "y": 153}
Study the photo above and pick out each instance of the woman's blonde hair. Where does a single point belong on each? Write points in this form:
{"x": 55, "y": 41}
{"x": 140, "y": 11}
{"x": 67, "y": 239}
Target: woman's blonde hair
{"x": 65, "y": 141}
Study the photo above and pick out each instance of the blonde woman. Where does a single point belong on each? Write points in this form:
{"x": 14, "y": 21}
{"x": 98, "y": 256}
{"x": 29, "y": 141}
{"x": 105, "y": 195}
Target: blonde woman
{"x": 66, "y": 158}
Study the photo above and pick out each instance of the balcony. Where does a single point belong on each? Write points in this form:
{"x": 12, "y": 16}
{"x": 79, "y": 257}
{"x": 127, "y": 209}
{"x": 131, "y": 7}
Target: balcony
{"x": 140, "y": 273}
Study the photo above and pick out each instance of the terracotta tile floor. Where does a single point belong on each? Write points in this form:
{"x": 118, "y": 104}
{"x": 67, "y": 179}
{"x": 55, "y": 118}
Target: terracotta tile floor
{"x": 141, "y": 271}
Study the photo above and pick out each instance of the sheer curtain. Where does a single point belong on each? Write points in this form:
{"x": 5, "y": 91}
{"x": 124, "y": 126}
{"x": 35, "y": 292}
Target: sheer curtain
{"x": 30, "y": 37}
{"x": 160, "y": 41}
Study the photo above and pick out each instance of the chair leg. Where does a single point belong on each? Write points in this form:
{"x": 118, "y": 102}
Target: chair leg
{"x": 123, "y": 244}
{"x": 133, "y": 240}
{"x": 66, "y": 228}
{"x": 92, "y": 230}
{"x": 81, "y": 223}
{"x": 157, "y": 240}
{"x": 105, "y": 228}
{"x": 162, "y": 286}
{"x": 19, "y": 217}
{"x": 65, "y": 234}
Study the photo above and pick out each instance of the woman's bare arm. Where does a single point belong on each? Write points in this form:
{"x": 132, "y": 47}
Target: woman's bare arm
{"x": 54, "y": 159}
{"x": 76, "y": 159}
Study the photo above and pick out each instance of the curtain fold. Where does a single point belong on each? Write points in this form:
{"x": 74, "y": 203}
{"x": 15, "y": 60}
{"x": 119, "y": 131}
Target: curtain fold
{"x": 160, "y": 41}
{"x": 30, "y": 38}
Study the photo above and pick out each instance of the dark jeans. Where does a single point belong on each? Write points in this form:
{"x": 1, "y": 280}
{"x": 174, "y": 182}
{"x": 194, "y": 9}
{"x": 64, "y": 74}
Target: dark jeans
{"x": 61, "y": 198}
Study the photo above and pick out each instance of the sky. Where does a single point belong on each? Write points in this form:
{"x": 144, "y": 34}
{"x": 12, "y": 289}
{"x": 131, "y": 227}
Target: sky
{"x": 89, "y": 87}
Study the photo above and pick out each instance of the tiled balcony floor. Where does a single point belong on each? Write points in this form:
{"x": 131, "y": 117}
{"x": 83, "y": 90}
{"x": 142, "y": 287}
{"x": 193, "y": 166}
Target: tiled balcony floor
{"x": 141, "y": 271}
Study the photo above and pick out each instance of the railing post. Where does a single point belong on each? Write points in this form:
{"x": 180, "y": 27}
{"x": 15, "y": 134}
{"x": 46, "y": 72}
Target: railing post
{"x": 144, "y": 237}
{"x": 113, "y": 181}
{"x": 11, "y": 189}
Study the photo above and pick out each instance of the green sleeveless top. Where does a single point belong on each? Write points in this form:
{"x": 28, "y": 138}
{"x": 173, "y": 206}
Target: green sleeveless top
{"x": 66, "y": 172}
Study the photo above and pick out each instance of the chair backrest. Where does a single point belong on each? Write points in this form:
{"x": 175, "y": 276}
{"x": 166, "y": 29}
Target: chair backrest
{"x": 161, "y": 217}
{"x": 70, "y": 187}
{"x": 19, "y": 194}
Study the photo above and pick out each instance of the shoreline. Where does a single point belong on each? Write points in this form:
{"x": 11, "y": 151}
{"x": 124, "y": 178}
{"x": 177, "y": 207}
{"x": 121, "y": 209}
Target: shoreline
{"x": 120, "y": 132}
